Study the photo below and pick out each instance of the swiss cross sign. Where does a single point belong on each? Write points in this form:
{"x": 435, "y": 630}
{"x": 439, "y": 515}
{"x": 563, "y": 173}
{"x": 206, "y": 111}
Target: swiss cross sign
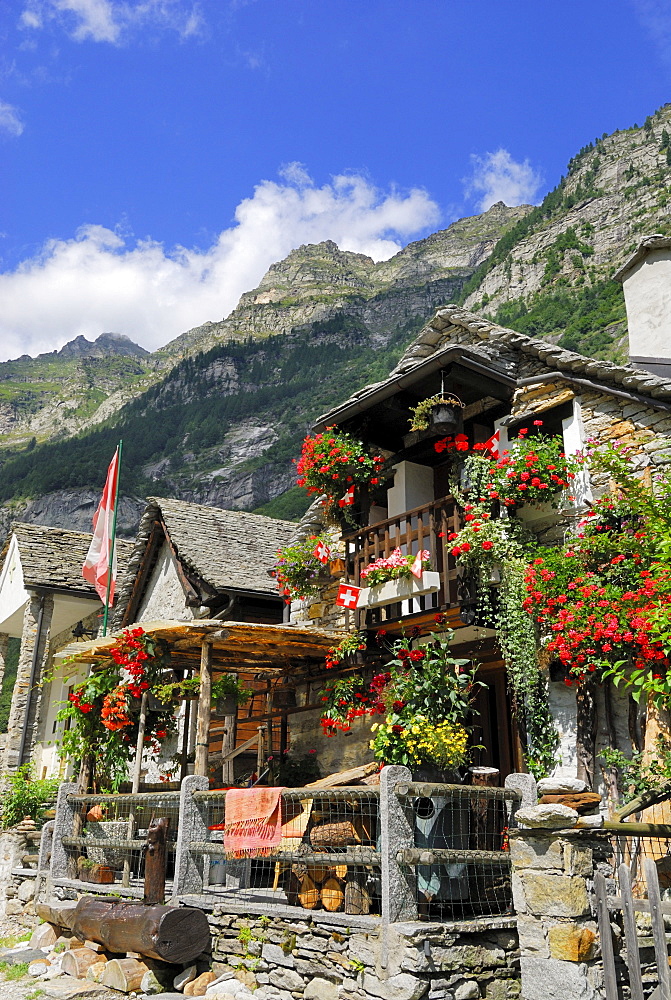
{"x": 322, "y": 552}
{"x": 348, "y": 596}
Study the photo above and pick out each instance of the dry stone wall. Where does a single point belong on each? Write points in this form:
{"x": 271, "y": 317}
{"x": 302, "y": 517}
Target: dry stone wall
{"x": 321, "y": 960}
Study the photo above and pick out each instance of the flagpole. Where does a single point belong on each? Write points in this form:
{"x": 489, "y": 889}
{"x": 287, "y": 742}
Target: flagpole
{"x": 113, "y": 546}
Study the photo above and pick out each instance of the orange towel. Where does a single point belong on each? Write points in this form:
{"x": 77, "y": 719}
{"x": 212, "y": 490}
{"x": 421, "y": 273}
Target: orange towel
{"x": 253, "y": 823}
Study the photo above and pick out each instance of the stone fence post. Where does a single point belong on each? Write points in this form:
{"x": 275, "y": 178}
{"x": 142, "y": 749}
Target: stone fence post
{"x": 552, "y": 892}
{"x": 64, "y": 826}
{"x": 191, "y": 827}
{"x": 396, "y": 833}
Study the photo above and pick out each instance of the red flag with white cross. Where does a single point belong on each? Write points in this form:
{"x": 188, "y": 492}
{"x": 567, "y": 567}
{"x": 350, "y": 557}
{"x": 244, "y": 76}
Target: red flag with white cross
{"x": 348, "y": 499}
{"x": 348, "y": 596}
{"x": 322, "y": 552}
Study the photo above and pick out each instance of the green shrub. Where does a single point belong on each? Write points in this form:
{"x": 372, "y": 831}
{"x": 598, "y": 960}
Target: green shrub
{"x": 27, "y": 796}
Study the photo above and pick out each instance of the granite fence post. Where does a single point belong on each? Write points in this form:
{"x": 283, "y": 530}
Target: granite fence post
{"x": 191, "y": 827}
{"x": 552, "y": 874}
{"x": 525, "y": 784}
{"x": 46, "y": 848}
{"x": 64, "y": 826}
{"x": 396, "y": 833}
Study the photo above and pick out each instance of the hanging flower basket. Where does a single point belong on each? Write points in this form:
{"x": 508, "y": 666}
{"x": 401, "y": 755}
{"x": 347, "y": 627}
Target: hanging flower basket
{"x": 225, "y": 706}
{"x": 443, "y": 414}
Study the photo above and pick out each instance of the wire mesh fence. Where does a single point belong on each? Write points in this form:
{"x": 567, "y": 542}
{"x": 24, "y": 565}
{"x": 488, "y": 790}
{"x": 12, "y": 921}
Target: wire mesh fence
{"x": 327, "y": 857}
{"x": 109, "y": 834}
{"x": 633, "y": 851}
{"x": 459, "y": 866}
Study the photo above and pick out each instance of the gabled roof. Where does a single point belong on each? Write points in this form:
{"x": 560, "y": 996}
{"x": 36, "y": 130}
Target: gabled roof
{"x": 654, "y": 242}
{"x": 230, "y": 550}
{"x": 52, "y": 558}
{"x": 454, "y": 331}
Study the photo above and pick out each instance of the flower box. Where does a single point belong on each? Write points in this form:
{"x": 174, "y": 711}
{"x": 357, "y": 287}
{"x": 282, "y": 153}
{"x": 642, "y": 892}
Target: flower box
{"x": 539, "y": 514}
{"x": 394, "y": 591}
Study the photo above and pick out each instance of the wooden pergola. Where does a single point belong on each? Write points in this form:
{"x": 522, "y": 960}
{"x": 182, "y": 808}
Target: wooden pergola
{"x": 208, "y": 646}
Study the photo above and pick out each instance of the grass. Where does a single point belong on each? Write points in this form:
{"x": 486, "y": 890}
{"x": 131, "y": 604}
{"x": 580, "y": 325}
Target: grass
{"x": 13, "y": 972}
{"x": 13, "y": 939}
{"x": 35, "y": 995}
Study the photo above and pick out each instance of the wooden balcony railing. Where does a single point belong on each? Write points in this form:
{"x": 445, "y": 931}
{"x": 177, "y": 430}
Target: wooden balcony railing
{"x": 425, "y": 527}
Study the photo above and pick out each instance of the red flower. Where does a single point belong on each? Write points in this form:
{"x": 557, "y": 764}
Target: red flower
{"x": 488, "y": 545}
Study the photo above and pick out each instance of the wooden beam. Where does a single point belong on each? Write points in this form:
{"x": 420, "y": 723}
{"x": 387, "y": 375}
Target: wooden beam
{"x": 203, "y": 723}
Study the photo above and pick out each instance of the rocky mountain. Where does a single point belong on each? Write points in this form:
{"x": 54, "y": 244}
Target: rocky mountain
{"x": 217, "y": 414}
{"x": 550, "y": 274}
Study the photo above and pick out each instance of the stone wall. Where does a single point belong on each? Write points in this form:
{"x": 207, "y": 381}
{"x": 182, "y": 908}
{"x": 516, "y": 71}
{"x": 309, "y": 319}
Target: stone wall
{"x": 325, "y": 959}
{"x": 552, "y": 891}
{"x": 17, "y": 884}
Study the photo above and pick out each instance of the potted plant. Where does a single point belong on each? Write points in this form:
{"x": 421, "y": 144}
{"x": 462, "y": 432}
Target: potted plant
{"x": 397, "y": 577}
{"x": 334, "y": 463}
{"x": 298, "y": 571}
{"x": 442, "y": 412}
{"x": 533, "y": 476}
{"x": 227, "y": 694}
{"x": 91, "y": 871}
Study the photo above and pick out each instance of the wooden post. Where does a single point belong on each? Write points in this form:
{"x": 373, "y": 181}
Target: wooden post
{"x": 631, "y": 937}
{"x": 203, "y": 723}
{"x": 486, "y": 814}
{"x": 185, "y": 740}
{"x": 658, "y": 929}
{"x": 137, "y": 772}
{"x": 260, "y": 753}
{"x": 155, "y": 857}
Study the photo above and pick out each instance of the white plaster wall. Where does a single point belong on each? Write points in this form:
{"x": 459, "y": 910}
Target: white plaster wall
{"x": 13, "y": 594}
{"x": 563, "y": 708}
{"x": 164, "y": 597}
{"x": 413, "y": 487}
{"x": 647, "y": 294}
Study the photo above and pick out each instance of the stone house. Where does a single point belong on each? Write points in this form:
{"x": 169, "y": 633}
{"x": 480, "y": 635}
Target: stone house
{"x": 505, "y": 380}
{"x": 192, "y": 562}
{"x": 42, "y": 597}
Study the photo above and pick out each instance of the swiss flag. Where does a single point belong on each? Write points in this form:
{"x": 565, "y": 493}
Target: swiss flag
{"x": 348, "y": 596}
{"x": 348, "y": 499}
{"x": 322, "y": 552}
{"x": 97, "y": 568}
{"x": 416, "y": 568}
{"x": 492, "y": 444}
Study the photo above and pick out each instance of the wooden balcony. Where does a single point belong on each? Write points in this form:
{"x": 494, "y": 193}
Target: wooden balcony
{"x": 426, "y": 527}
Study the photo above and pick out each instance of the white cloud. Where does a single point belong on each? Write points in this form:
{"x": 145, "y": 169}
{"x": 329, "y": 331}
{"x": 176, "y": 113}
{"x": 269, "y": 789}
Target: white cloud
{"x": 102, "y": 281}
{"x": 113, "y": 20}
{"x": 497, "y": 177}
{"x": 10, "y": 123}
{"x": 655, "y": 17}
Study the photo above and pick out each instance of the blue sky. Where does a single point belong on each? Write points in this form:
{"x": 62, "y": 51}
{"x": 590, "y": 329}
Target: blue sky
{"x": 158, "y": 155}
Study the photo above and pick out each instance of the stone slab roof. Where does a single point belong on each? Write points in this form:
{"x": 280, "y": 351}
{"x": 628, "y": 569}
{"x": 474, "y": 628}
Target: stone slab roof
{"x": 495, "y": 343}
{"x": 53, "y": 557}
{"x": 228, "y": 549}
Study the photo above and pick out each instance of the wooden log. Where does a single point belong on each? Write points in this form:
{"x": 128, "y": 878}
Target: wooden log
{"x": 95, "y": 972}
{"x": 332, "y": 895}
{"x": 357, "y": 897}
{"x": 318, "y": 873}
{"x": 486, "y": 813}
{"x": 292, "y": 886}
{"x": 334, "y": 834}
{"x": 155, "y": 859}
{"x": 59, "y": 915}
{"x": 168, "y": 933}
{"x": 349, "y": 777}
{"x": 78, "y": 961}
{"x": 308, "y": 894}
{"x": 124, "y": 974}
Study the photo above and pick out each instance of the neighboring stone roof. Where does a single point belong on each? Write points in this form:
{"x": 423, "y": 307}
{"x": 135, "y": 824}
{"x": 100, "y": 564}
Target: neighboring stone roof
{"x": 53, "y": 557}
{"x": 228, "y": 549}
{"x": 494, "y": 344}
